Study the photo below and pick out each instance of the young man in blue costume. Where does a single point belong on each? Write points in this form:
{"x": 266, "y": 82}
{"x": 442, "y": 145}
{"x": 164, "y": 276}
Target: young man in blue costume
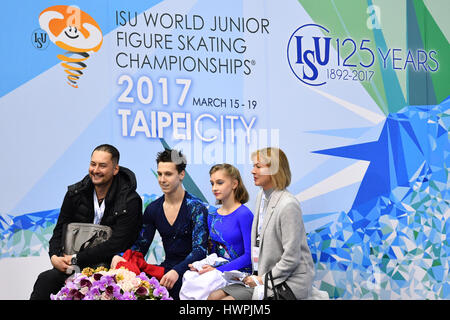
{"x": 179, "y": 217}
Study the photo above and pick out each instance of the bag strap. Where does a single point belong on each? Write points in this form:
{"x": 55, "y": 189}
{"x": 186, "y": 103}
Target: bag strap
{"x": 88, "y": 242}
{"x": 269, "y": 277}
{"x": 266, "y": 280}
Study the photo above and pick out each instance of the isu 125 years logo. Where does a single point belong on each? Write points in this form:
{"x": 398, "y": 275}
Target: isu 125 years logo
{"x": 316, "y": 57}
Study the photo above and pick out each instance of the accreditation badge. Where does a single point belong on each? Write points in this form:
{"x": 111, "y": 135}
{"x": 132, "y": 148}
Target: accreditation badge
{"x": 255, "y": 258}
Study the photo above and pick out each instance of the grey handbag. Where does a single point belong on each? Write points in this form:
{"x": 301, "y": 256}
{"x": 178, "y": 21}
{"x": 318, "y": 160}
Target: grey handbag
{"x": 79, "y": 236}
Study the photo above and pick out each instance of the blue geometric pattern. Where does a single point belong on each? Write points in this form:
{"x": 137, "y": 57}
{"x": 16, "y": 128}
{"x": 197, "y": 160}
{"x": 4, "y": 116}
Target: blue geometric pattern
{"x": 26, "y": 235}
{"x": 394, "y": 241}
{"x": 29, "y": 234}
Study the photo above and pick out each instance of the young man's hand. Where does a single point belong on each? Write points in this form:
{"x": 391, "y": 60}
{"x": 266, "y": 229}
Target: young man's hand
{"x": 169, "y": 279}
{"x": 115, "y": 260}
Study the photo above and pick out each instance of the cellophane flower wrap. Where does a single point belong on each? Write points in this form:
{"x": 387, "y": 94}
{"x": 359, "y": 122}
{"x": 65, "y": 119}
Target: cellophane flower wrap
{"x": 114, "y": 284}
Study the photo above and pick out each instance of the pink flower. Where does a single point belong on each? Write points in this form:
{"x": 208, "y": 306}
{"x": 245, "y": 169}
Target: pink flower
{"x": 142, "y": 291}
{"x": 118, "y": 284}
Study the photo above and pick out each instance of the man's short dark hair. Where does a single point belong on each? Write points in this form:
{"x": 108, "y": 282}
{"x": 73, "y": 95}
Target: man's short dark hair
{"x": 115, "y": 155}
{"x": 172, "y": 155}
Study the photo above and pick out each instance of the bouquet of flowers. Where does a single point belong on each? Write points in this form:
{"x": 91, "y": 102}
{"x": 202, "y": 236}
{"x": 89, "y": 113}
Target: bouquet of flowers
{"x": 115, "y": 284}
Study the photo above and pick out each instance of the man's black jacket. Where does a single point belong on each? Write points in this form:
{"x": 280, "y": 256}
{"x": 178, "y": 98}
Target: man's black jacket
{"x": 123, "y": 213}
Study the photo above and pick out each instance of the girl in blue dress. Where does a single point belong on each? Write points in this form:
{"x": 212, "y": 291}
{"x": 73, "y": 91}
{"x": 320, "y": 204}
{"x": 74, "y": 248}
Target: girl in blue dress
{"x": 229, "y": 234}
{"x": 230, "y": 225}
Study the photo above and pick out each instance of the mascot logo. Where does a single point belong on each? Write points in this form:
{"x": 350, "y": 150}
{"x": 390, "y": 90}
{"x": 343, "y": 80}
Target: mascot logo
{"x": 74, "y": 31}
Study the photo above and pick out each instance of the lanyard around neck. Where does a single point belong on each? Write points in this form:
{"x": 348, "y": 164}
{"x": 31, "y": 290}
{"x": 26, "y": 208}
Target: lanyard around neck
{"x": 262, "y": 211}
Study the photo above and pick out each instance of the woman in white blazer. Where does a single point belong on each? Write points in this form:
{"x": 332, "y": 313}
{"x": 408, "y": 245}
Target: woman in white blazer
{"x": 278, "y": 233}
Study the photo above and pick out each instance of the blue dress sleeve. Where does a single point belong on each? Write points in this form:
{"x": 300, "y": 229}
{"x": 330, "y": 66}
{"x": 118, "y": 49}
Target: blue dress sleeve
{"x": 245, "y": 220}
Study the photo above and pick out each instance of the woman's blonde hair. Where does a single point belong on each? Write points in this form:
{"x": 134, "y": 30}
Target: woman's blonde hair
{"x": 278, "y": 165}
{"x": 240, "y": 193}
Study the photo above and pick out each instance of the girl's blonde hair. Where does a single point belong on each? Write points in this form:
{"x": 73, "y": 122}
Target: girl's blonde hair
{"x": 240, "y": 193}
{"x": 278, "y": 165}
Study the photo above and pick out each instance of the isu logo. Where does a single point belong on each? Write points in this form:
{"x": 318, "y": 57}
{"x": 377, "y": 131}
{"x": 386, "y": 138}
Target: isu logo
{"x": 74, "y": 31}
{"x": 308, "y": 52}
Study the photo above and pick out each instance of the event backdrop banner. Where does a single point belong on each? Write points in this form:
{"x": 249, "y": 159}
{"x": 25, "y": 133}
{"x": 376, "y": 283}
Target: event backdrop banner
{"x": 355, "y": 92}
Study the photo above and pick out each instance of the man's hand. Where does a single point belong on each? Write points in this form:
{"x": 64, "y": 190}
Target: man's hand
{"x": 115, "y": 260}
{"x": 169, "y": 279}
{"x": 61, "y": 263}
{"x": 68, "y": 259}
